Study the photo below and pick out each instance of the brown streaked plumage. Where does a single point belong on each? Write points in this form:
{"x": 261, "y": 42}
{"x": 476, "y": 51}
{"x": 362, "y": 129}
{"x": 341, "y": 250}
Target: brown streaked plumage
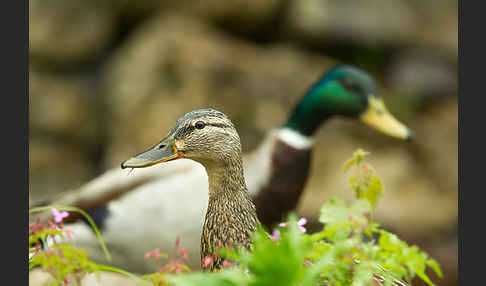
{"x": 148, "y": 197}
{"x": 230, "y": 220}
{"x": 231, "y": 216}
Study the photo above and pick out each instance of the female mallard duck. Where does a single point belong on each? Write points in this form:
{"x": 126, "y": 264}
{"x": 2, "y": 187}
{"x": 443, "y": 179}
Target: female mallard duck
{"x": 208, "y": 137}
{"x": 148, "y": 207}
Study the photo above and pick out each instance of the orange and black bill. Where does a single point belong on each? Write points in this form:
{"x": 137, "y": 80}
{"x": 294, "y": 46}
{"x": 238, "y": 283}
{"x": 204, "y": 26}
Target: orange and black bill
{"x": 162, "y": 152}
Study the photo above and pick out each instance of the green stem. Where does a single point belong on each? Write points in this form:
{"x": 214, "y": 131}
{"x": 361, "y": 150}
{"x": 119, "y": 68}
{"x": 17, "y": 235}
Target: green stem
{"x": 75, "y": 209}
{"x": 122, "y": 272}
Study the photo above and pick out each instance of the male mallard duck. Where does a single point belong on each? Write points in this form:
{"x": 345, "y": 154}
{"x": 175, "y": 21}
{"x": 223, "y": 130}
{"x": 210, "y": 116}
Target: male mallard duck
{"x": 275, "y": 174}
{"x": 208, "y": 137}
{"x": 342, "y": 91}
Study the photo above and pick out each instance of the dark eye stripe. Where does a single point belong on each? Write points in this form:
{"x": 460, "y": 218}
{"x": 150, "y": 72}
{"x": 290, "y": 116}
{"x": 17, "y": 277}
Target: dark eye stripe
{"x": 222, "y": 125}
{"x": 190, "y": 128}
{"x": 185, "y": 130}
{"x": 349, "y": 84}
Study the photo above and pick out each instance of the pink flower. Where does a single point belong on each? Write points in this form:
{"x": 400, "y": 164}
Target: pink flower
{"x": 175, "y": 266}
{"x": 69, "y": 233}
{"x": 52, "y": 252}
{"x": 36, "y": 227}
{"x": 302, "y": 221}
{"x": 59, "y": 215}
{"x": 226, "y": 263}
{"x": 183, "y": 252}
{"x": 275, "y": 235}
{"x": 207, "y": 261}
{"x": 154, "y": 253}
{"x": 51, "y": 224}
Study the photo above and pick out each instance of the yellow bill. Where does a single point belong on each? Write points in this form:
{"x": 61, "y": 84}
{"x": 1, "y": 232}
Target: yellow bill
{"x": 378, "y": 117}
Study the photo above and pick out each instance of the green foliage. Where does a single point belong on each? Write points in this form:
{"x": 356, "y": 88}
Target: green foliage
{"x": 280, "y": 261}
{"x": 364, "y": 182}
{"x": 395, "y": 254}
{"x": 86, "y": 216}
{"x": 229, "y": 277}
{"x": 271, "y": 262}
{"x": 350, "y": 250}
{"x": 343, "y": 253}
{"x": 65, "y": 262}
{"x": 157, "y": 278}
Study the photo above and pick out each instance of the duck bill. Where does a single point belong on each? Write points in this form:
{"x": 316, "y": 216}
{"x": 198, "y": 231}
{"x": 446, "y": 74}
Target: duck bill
{"x": 378, "y": 117}
{"x": 162, "y": 152}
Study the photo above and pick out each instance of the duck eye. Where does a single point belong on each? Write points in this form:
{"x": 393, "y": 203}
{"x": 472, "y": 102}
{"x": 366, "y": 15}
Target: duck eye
{"x": 349, "y": 84}
{"x": 200, "y": 124}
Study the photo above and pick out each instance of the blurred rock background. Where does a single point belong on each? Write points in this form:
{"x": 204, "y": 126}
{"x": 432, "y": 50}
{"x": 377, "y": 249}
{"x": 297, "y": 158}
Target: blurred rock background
{"x": 108, "y": 78}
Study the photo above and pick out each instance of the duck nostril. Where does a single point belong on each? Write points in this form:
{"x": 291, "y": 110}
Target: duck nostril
{"x": 160, "y": 146}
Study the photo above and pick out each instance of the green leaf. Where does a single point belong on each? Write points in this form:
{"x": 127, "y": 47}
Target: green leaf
{"x": 281, "y": 262}
{"x": 425, "y": 278}
{"x": 317, "y": 268}
{"x": 360, "y": 211}
{"x": 229, "y": 277}
{"x": 349, "y": 163}
{"x": 363, "y": 274}
{"x": 398, "y": 252}
{"x": 432, "y": 263}
{"x": 334, "y": 211}
{"x": 373, "y": 191}
{"x": 358, "y": 156}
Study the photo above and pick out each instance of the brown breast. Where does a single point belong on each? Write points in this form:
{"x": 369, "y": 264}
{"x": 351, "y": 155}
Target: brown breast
{"x": 289, "y": 173}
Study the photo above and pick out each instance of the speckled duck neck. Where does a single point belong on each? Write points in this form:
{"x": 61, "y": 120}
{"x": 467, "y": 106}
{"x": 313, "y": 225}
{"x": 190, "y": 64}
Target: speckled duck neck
{"x": 231, "y": 215}
{"x": 226, "y": 177}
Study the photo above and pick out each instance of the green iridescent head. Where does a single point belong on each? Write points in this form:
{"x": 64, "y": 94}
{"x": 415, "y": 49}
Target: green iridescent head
{"x": 345, "y": 91}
